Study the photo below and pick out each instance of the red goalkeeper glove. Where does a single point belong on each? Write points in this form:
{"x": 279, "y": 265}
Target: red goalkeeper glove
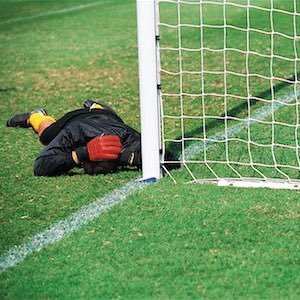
{"x": 106, "y": 147}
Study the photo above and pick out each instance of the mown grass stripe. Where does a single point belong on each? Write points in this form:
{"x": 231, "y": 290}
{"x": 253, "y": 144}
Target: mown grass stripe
{"x": 55, "y": 12}
{"x": 87, "y": 213}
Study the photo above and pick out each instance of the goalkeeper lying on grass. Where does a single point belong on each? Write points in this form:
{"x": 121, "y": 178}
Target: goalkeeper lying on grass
{"x": 94, "y": 138}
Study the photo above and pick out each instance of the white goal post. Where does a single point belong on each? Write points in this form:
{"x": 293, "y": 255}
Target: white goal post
{"x": 148, "y": 80}
{"x": 219, "y": 87}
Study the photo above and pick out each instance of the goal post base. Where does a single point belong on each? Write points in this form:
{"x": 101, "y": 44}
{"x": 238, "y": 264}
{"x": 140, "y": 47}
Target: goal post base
{"x": 253, "y": 183}
{"x": 147, "y": 180}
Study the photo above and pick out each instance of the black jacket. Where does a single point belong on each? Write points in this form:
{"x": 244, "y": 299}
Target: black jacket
{"x": 77, "y": 128}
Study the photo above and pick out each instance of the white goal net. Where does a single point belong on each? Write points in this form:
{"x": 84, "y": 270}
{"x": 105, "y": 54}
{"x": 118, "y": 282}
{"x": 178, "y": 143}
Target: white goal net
{"x": 228, "y": 90}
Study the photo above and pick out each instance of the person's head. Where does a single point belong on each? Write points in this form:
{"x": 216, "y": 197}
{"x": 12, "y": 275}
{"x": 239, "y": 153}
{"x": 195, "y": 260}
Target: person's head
{"x": 99, "y": 167}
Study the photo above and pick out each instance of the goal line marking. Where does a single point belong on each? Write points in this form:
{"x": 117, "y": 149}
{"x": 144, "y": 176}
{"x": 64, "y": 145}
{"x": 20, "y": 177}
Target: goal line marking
{"x": 64, "y": 228}
{"x": 55, "y": 12}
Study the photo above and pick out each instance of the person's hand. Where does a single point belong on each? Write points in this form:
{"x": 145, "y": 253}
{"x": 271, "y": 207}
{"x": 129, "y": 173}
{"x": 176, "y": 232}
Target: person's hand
{"x": 106, "y": 147}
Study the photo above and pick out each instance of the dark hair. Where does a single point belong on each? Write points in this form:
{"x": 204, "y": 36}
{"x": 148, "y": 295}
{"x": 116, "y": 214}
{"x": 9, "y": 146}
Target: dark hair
{"x": 99, "y": 167}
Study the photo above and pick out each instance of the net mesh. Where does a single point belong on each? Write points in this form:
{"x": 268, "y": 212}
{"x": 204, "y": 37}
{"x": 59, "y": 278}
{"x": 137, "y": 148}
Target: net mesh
{"x": 229, "y": 87}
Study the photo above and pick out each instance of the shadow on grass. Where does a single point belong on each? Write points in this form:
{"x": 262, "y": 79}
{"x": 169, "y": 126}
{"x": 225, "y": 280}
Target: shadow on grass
{"x": 81, "y": 172}
{"x": 233, "y": 112}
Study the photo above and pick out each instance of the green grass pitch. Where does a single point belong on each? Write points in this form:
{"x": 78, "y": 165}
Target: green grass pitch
{"x": 168, "y": 241}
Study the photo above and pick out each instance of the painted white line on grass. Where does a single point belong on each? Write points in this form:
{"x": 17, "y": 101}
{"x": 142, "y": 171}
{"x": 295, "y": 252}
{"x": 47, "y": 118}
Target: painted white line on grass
{"x": 64, "y": 228}
{"x": 233, "y": 130}
{"x": 55, "y": 12}
{"x": 87, "y": 213}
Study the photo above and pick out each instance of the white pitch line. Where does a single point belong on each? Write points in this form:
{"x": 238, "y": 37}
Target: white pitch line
{"x": 87, "y": 213}
{"x": 55, "y": 12}
{"x": 64, "y": 228}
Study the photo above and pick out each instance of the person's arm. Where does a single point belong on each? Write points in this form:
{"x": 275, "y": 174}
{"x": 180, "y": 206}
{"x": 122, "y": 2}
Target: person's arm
{"x": 53, "y": 162}
{"x": 131, "y": 155}
{"x": 60, "y": 156}
{"x": 56, "y": 158}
